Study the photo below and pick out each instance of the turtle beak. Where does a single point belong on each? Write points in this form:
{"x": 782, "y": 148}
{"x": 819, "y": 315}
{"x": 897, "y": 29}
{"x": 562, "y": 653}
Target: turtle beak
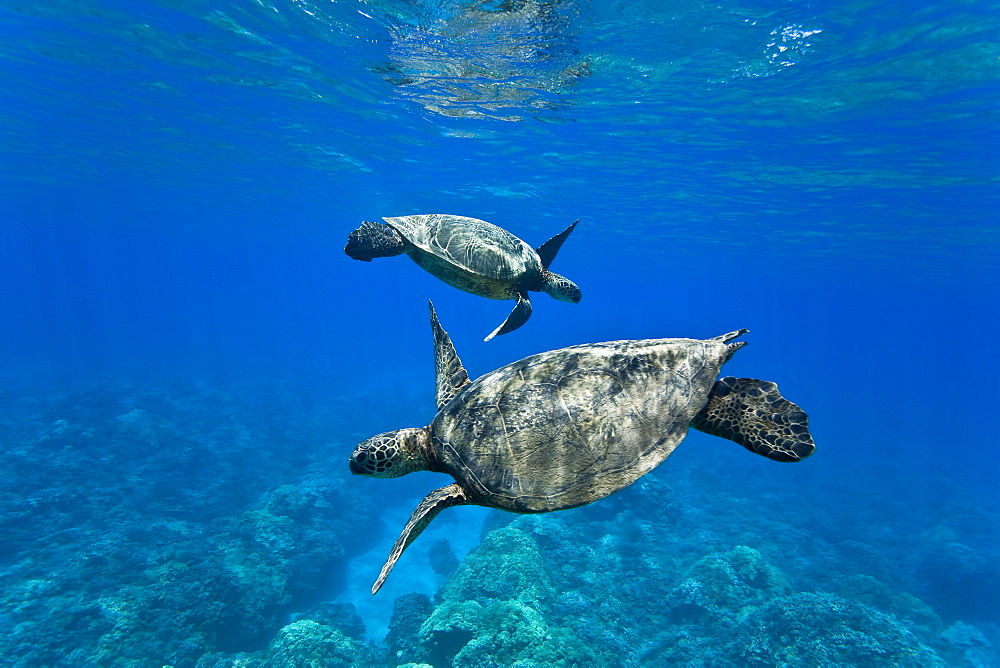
{"x": 356, "y": 468}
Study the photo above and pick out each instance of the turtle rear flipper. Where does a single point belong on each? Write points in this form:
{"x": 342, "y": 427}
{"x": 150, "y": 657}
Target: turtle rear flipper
{"x": 517, "y": 317}
{"x": 433, "y": 503}
{"x": 754, "y": 414}
{"x": 373, "y": 240}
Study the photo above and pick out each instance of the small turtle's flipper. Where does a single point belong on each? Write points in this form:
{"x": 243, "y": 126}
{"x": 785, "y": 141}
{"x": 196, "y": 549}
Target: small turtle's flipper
{"x": 433, "y": 503}
{"x": 517, "y": 317}
{"x": 728, "y": 338}
{"x": 754, "y": 414}
{"x": 547, "y": 251}
{"x": 451, "y": 375}
{"x": 373, "y": 240}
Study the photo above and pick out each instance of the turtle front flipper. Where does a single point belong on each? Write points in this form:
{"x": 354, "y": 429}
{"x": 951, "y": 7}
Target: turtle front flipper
{"x": 433, "y": 503}
{"x": 547, "y": 251}
{"x": 517, "y": 317}
{"x": 373, "y": 240}
{"x": 754, "y": 414}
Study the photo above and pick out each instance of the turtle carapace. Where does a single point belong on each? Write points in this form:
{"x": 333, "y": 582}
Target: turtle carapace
{"x": 567, "y": 427}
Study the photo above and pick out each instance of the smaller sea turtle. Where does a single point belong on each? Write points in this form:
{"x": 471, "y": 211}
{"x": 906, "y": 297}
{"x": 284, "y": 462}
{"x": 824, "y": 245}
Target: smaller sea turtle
{"x": 567, "y": 427}
{"x": 471, "y": 255}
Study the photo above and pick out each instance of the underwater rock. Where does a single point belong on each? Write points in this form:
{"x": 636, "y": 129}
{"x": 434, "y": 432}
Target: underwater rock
{"x": 294, "y": 538}
{"x": 569, "y": 556}
{"x": 145, "y": 432}
{"x": 722, "y": 584}
{"x": 824, "y": 630}
{"x": 959, "y": 581}
{"x": 343, "y": 617}
{"x": 870, "y": 560}
{"x": 409, "y": 611}
{"x": 870, "y": 591}
{"x": 607, "y": 590}
{"x": 494, "y": 610}
{"x": 442, "y": 557}
{"x": 674, "y": 645}
{"x": 495, "y": 519}
{"x": 507, "y": 565}
{"x": 499, "y": 633}
{"x": 969, "y": 646}
{"x": 302, "y": 644}
{"x": 308, "y": 644}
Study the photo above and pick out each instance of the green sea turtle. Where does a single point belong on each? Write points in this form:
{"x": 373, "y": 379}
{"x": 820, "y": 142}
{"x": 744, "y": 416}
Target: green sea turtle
{"x": 471, "y": 255}
{"x": 567, "y": 427}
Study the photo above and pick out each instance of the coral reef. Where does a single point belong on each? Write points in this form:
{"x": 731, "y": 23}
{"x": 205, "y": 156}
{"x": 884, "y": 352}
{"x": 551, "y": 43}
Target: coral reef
{"x": 307, "y": 644}
{"x": 640, "y": 580}
{"x": 719, "y": 585}
{"x": 821, "y": 630}
{"x": 187, "y": 526}
{"x": 507, "y": 566}
{"x": 341, "y": 616}
{"x": 408, "y": 613}
{"x": 494, "y": 610}
{"x": 302, "y": 644}
{"x": 151, "y": 526}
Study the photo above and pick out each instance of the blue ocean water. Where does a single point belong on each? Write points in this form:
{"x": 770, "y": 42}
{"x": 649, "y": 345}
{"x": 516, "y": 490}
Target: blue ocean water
{"x": 189, "y": 357}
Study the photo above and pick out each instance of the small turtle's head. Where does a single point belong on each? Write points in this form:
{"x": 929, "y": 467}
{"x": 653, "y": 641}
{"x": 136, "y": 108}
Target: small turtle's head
{"x": 391, "y": 454}
{"x": 561, "y": 287}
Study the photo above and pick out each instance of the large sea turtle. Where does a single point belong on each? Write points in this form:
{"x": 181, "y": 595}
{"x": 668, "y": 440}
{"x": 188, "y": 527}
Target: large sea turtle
{"x": 471, "y": 255}
{"x": 567, "y": 427}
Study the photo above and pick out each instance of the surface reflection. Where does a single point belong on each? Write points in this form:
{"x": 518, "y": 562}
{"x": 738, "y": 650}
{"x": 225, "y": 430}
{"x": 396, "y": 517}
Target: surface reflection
{"x": 505, "y": 60}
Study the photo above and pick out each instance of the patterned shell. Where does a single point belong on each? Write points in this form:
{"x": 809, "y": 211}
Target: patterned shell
{"x": 468, "y": 245}
{"x": 568, "y": 427}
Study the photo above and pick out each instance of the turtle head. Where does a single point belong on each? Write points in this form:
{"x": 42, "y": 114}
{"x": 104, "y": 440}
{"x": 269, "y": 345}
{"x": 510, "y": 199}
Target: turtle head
{"x": 373, "y": 240}
{"x": 561, "y": 287}
{"x": 391, "y": 454}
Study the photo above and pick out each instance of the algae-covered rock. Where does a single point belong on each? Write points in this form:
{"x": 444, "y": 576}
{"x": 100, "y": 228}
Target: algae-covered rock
{"x": 870, "y": 591}
{"x": 965, "y": 644}
{"x": 301, "y": 644}
{"x": 280, "y": 549}
{"x": 409, "y": 611}
{"x": 507, "y": 565}
{"x": 496, "y": 610}
{"x": 721, "y": 584}
{"x": 341, "y": 616}
{"x": 308, "y": 644}
{"x": 501, "y": 633}
{"x": 825, "y": 630}
{"x": 961, "y": 582}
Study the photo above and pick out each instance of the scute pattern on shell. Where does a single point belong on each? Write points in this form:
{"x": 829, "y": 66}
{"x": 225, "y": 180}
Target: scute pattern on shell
{"x": 567, "y": 427}
{"x": 469, "y": 245}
